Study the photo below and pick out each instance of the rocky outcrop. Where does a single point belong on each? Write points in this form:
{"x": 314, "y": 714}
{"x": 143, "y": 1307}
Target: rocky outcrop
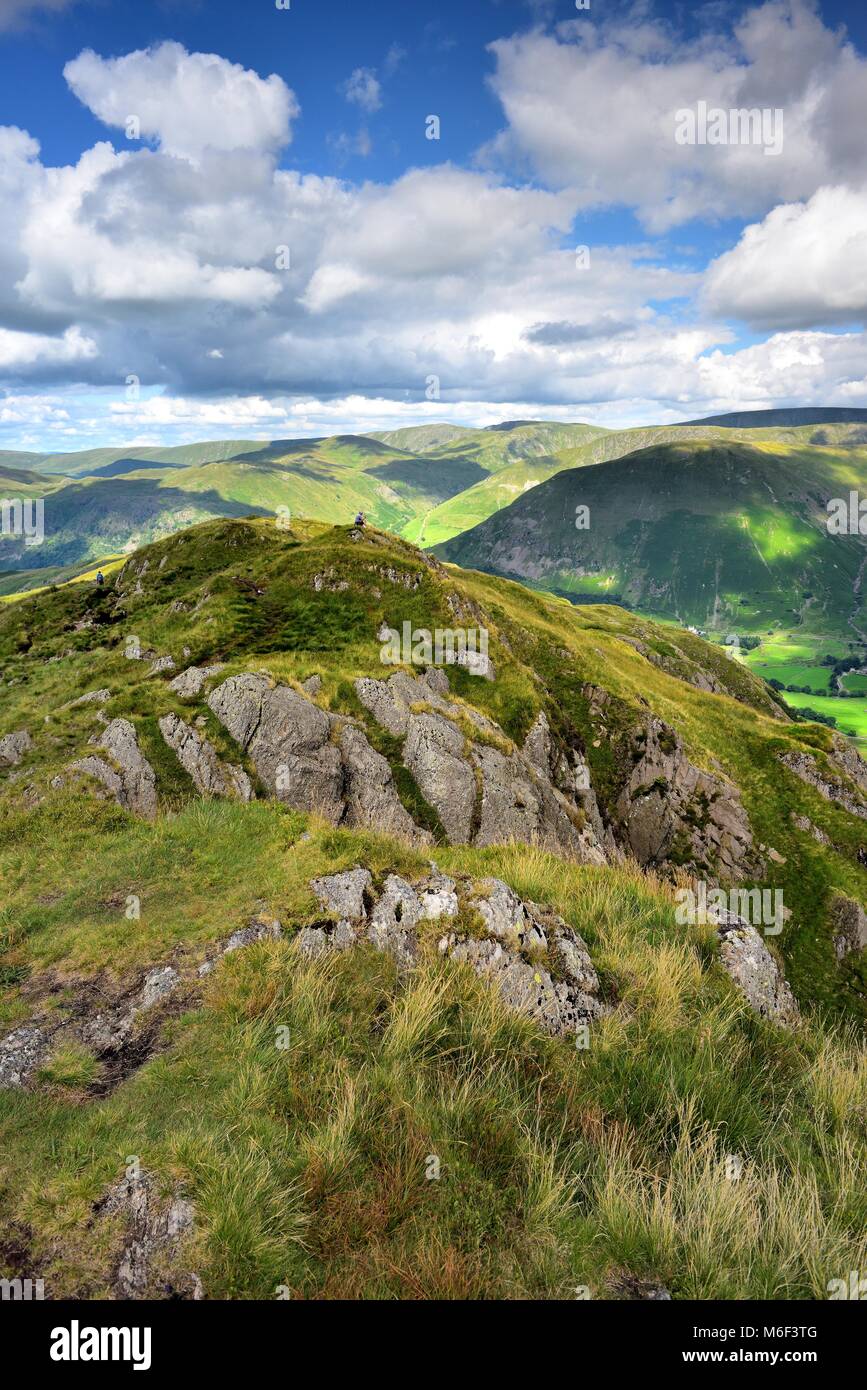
{"x": 805, "y": 766}
{"x": 369, "y": 790}
{"x": 482, "y": 789}
{"x": 434, "y": 753}
{"x": 13, "y": 747}
{"x": 199, "y": 759}
{"x": 109, "y": 1029}
{"x": 754, "y": 970}
{"x": 154, "y": 1231}
{"x": 190, "y": 682}
{"x": 129, "y": 777}
{"x": 93, "y": 697}
{"x": 540, "y": 966}
{"x": 310, "y": 759}
{"x": 670, "y": 809}
{"x": 849, "y": 925}
{"x": 288, "y": 739}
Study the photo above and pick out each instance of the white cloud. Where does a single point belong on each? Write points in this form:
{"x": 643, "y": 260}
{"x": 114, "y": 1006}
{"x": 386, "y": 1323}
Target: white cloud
{"x": 805, "y": 265}
{"x": 363, "y": 89}
{"x": 187, "y": 102}
{"x": 19, "y": 351}
{"x": 593, "y": 108}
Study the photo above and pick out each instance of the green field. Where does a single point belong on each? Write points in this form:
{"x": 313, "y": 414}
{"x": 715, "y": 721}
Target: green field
{"x": 851, "y": 715}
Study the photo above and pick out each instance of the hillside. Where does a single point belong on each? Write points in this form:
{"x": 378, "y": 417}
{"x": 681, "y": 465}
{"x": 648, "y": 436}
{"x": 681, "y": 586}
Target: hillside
{"x": 427, "y": 483}
{"x": 349, "y": 980}
{"x": 719, "y": 536}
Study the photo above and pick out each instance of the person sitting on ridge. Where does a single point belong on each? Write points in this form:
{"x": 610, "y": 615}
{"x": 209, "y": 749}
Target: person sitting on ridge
{"x": 359, "y": 520}
{"x": 100, "y": 578}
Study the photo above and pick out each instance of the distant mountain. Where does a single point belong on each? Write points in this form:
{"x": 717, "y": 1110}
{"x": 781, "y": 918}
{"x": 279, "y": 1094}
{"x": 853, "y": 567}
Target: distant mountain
{"x": 427, "y": 483}
{"x": 718, "y": 535}
{"x": 800, "y": 415}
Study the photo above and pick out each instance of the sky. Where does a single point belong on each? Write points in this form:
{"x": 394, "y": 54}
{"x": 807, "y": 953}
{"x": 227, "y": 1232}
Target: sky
{"x": 275, "y": 219}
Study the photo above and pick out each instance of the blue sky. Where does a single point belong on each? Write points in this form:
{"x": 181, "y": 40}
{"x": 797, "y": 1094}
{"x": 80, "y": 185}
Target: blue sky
{"x": 426, "y": 278}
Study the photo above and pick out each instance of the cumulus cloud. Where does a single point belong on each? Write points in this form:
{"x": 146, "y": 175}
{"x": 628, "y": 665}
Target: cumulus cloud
{"x": 19, "y": 351}
{"x": 804, "y": 265}
{"x": 363, "y": 89}
{"x": 187, "y": 102}
{"x": 594, "y": 109}
{"x": 251, "y": 299}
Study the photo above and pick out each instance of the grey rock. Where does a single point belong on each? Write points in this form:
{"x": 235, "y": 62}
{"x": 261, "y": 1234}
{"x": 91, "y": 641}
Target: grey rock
{"x": 159, "y": 982}
{"x": 438, "y": 898}
{"x": 129, "y": 778}
{"x": 288, "y": 740}
{"x": 312, "y": 685}
{"x": 437, "y": 680}
{"x": 162, "y": 664}
{"x": 13, "y": 747}
{"x": 754, "y": 970}
{"x": 313, "y": 941}
{"x": 434, "y": 754}
{"x": 190, "y": 682}
{"x": 380, "y": 699}
{"x": 343, "y": 895}
{"x": 538, "y": 747}
{"x": 668, "y": 798}
{"x": 398, "y": 906}
{"x": 155, "y": 1229}
{"x": 370, "y": 792}
{"x": 849, "y": 925}
{"x": 99, "y": 697}
{"x": 804, "y": 824}
{"x": 20, "y": 1054}
{"x": 199, "y": 759}
{"x": 804, "y": 766}
{"x": 261, "y": 928}
{"x": 526, "y": 987}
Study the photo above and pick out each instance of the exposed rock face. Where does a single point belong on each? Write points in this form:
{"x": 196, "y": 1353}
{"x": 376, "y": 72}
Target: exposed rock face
{"x": 540, "y": 966}
{"x": 13, "y": 747}
{"x": 434, "y": 754}
{"x": 849, "y": 922}
{"x": 260, "y": 928}
{"x": 199, "y": 758}
{"x": 154, "y": 1232}
{"x": 161, "y": 665}
{"x": 754, "y": 970}
{"x": 312, "y": 760}
{"x": 480, "y": 792}
{"x": 343, "y": 895}
{"x": 189, "y": 683}
{"x": 120, "y": 1025}
{"x": 669, "y": 806}
{"x": 288, "y": 739}
{"x": 806, "y": 825}
{"x": 804, "y": 765}
{"x": 20, "y": 1053}
{"x": 371, "y": 797}
{"x": 129, "y": 777}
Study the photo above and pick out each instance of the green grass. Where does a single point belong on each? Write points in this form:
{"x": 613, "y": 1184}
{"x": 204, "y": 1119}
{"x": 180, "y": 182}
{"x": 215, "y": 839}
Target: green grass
{"x": 307, "y": 1167}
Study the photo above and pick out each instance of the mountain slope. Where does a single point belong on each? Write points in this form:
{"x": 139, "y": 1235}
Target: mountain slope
{"x": 718, "y": 536}
{"x": 215, "y": 1101}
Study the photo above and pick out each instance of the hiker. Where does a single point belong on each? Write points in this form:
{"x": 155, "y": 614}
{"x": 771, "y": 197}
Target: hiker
{"x": 100, "y": 579}
{"x": 359, "y": 520}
